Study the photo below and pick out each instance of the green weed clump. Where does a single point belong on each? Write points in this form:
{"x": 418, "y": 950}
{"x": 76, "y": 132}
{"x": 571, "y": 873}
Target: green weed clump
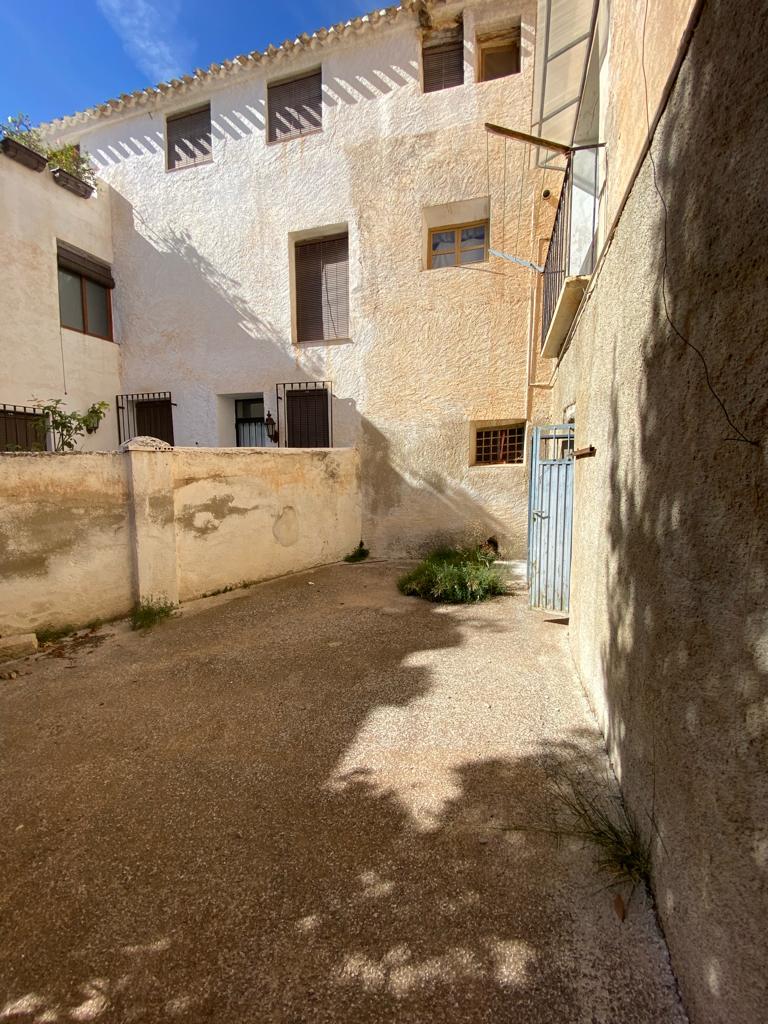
{"x": 49, "y": 634}
{"x": 358, "y": 555}
{"x": 148, "y": 613}
{"x": 454, "y": 576}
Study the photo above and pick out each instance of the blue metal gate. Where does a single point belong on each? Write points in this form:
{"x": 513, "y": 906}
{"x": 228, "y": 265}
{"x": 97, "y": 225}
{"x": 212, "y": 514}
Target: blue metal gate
{"x": 550, "y": 517}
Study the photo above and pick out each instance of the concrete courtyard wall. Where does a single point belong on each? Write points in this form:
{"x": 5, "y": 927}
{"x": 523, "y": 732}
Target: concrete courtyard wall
{"x": 670, "y": 563}
{"x": 86, "y": 536}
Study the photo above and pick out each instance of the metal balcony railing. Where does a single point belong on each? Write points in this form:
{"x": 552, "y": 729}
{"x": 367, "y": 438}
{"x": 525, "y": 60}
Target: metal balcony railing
{"x": 572, "y": 246}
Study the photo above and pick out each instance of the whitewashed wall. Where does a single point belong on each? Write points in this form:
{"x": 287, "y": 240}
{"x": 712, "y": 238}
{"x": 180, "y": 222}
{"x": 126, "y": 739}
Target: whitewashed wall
{"x": 204, "y": 281}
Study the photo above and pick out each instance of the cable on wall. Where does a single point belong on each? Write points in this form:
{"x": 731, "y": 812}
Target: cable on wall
{"x": 741, "y": 436}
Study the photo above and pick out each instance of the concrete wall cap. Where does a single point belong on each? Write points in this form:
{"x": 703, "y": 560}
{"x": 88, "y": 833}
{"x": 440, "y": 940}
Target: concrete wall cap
{"x": 144, "y": 444}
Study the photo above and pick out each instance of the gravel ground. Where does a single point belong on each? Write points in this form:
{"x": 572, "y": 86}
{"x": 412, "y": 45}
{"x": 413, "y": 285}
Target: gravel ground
{"x": 294, "y": 805}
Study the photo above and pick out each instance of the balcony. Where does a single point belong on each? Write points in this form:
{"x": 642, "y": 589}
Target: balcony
{"x": 571, "y": 254}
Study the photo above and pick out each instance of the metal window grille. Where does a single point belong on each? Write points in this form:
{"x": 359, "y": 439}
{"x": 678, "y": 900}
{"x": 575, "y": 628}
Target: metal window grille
{"x": 295, "y": 108}
{"x": 22, "y": 429}
{"x": 148, "y": 414}
{"x": 500, "y": 444}
{"x": 305, "y": 414}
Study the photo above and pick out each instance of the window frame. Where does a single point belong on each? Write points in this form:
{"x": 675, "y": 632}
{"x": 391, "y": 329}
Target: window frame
{"x": 441, "y": 46}
{"x": 495, "y": 44}
{"x": 275, "y": 84}
{"x": 457, "y": 250}
{"x": 179, "y": 116}
{"x": 84, "y": 305}
{"x": 485, "y": 426}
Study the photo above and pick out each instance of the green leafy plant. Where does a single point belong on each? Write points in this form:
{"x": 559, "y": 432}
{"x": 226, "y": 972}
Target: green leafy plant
{"x": 454, "y": 576}
{"x": 148, "y": 613}
{"x": 359, "y": 554}
{"x": 20, "y": 129}
{"x": 68, "y": 427}
{"x": 70, "y": 159}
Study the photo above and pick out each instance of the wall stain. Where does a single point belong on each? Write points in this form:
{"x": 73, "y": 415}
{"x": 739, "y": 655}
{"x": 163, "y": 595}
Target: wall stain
{"x": 160, "y": 508}
{"x": 285, "y": 528}
{"x": 207, "y": 517}
{"x": 37, "y": 533}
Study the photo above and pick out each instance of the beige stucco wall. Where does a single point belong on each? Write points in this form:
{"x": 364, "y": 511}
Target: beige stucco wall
{"x": 84, "y": 536}
{"x": 670, "y": 563}
{"x": 205, "y": 284}
{"x": 39, "y": 359}
{"x": 65, "y": 540}
{"x": 248, "y": 514}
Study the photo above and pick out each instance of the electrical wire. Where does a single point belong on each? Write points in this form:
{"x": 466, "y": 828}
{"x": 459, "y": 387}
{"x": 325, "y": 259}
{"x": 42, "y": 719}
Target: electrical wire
{"x": 741, "y": 435}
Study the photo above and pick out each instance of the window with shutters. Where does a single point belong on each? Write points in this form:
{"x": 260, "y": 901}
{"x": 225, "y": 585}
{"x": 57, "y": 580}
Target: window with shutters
{"x": 85, "y": 285}
{"x": 322, "y": 289}
{"x": 442, "y": 60}
{"x": 499, "y": 55}
{"x": 458, "y": 246}
{"x": 294, "y": 108}
{"x": 499, "y": 445}
{"x": 188, "y": 139}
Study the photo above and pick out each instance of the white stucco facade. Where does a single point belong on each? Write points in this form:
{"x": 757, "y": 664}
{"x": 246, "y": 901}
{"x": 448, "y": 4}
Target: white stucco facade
{"x": 204, "y": 265}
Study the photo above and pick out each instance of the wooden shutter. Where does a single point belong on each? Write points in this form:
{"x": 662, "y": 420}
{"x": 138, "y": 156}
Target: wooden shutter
{"x": 307, "y": 418}
{"x": 77, "y": 261}
{"x": 443, "y": 65}
{"x": 189, "y": 138}
{"x": 295, "y": 108}
{"x": 322, "y": 289}
{"x": 154, "y": 418}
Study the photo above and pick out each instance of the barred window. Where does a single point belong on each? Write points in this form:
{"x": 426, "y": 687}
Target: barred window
{"x": 500, "y": 445}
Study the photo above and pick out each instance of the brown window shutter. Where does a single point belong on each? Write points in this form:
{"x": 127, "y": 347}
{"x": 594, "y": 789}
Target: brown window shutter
{"x": 443, "y": 65}
{"x": 322, "y": 289}
{"x": 77, "y": 261}
{"x": 295, "y": 108}
{"x": 189, "y": 138}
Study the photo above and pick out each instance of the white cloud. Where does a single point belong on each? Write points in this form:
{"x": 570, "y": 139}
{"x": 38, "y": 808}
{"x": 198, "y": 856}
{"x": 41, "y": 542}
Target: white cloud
{"x": 148, "y": 30}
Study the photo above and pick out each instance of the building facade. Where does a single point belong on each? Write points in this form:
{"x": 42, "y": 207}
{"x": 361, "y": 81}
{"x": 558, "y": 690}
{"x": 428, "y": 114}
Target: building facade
{"x": 305, "y": 244}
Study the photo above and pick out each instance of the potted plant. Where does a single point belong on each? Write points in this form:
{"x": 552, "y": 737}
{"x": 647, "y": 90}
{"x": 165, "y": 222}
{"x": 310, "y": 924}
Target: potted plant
{"x": 72, "y": 170}
{"x": 23, "y": 143}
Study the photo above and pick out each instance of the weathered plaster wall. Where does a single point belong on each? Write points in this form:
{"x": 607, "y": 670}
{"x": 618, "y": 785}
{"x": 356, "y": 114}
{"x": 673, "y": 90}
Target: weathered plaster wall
{"x": 85, "y": 536}
{"x": 248, "y": 514}
{"x": 65, "y": 540}
{"x": 668, "y": 624}
{"x": 205, "y": 282}
{"x": 39, "y": 359}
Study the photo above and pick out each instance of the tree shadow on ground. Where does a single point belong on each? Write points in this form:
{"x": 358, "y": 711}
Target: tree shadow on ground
{"x": 196, "y": 844}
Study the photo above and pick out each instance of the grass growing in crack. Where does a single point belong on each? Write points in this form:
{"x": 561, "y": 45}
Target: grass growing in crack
{"x": 604, "y": 823}
{"x": 148, "y": 613}
{"x": 48, "y": 635}
{"x": 358, "y": 555}
{"x": 454, "y": 576}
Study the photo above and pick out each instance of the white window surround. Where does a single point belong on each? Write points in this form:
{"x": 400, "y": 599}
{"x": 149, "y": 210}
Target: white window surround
{"x": 463, "y": 211}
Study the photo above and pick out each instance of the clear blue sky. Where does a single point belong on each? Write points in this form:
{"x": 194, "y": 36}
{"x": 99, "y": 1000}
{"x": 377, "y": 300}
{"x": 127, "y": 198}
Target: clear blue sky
{"x": 62, "y": 57}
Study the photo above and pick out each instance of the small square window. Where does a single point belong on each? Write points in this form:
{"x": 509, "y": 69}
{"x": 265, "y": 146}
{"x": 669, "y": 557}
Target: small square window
{"x": 295, "y": 108}
{"x": 188, "y": 139}
{"x": 499, "y": 56}
{"x": 500, "y": 445}
{"x": 458, "y": 246}
{"x": 443, "y": 66}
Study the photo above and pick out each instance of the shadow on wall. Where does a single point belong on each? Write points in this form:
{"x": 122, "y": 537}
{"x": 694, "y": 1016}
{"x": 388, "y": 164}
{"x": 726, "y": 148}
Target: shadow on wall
{"x": 246, "y": 118}
{"x": 687, "y": 684}
{"x": 232, "y": 866}
{"x": 232, "y": 349}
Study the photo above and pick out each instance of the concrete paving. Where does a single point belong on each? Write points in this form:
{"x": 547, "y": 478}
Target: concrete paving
{"x": 296, "y": 805}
